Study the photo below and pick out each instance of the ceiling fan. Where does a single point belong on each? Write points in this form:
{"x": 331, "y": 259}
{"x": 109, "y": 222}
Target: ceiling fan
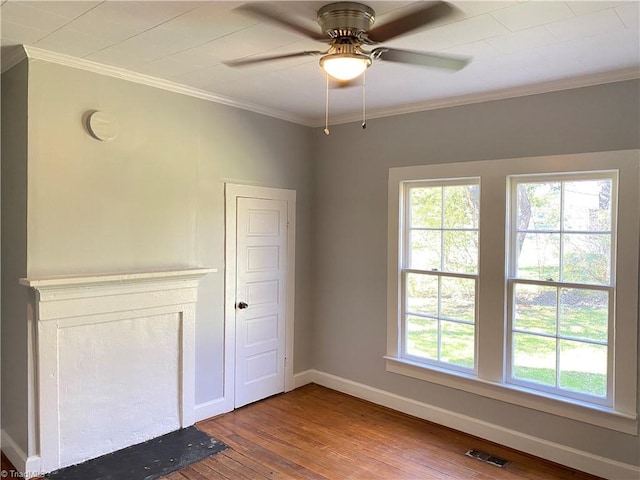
{"x": 348, "y": 28}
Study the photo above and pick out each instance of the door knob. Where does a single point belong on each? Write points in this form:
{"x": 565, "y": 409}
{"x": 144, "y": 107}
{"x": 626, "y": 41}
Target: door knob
{"x": 242, "y": 305}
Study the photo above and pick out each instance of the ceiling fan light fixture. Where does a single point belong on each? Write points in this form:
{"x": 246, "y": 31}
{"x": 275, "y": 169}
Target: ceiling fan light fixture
{"x": 345, "y": 66}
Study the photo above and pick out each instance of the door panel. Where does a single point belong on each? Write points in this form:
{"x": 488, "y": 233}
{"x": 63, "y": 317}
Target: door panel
{"x": 261, "y": 330}
{"x": 262, "y": 293}
{"x": 260, "y": 259}
{"x": 261, "y": 268}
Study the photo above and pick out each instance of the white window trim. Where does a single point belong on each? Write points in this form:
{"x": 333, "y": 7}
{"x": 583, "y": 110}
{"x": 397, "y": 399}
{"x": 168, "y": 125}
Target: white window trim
{"x": 491, "y": 378}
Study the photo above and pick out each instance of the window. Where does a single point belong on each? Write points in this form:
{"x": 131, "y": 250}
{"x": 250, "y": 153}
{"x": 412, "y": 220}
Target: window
{"x": 561, "y": 286}
{"x": 506, "y": 280}
{"x": 440, "y": 278}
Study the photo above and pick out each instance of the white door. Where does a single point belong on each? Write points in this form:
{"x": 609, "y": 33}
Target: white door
{"x": 260, "y": 306}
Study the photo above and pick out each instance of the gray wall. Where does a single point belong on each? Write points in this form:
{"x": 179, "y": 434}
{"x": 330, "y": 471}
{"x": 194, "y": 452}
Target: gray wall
{"x": 153, "y": 198}
{"x": 350, "y": 230}
{"x": 14, "y": 253}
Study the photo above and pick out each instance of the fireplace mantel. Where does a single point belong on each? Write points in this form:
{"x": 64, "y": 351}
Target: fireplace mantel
{"x": 70, "y": 281}
{"x": 115, "y": 360}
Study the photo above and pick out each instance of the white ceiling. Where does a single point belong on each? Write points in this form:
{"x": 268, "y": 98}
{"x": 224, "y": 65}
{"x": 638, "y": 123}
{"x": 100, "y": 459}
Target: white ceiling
{"x": 516, "y": 47}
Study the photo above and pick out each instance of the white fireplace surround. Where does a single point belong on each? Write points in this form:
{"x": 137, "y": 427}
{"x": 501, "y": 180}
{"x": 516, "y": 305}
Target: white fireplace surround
{"x": 114, "y": 361}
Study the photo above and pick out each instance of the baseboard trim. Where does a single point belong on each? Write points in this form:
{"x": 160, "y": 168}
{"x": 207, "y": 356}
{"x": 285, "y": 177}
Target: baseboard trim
{"x": 14, "y": 453}
{"x": 28, "y": 467}
{"x": 304, "y": 378}
{"x": 221, "y": 405}
{"x": 571, "y": 457}
{"x": 210, "y": 409}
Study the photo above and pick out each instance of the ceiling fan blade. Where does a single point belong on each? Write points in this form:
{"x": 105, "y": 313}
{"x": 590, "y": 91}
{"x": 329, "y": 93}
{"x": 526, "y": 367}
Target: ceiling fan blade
{"x": 422, "y": 59}
{"x": 266, "y": 12}
{"x": 241, "y": 62}
{"x": 416, "y": 18}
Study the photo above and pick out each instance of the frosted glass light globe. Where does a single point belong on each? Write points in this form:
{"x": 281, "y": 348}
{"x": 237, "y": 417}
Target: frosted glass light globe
{"x": 344, "y": 66}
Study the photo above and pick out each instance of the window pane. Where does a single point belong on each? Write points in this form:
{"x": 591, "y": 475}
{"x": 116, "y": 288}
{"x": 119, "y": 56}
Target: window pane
{"x": 583, "y": 367}
{"x": 424, "y": 249}
{"x": 461, "y": 206}
{"x": 534, "y": 359}
{"x": 539, "y": 206}
{"x": 535, "y": 309}
{"x": 457, "y": 342}
{"x": 538, "y": 256}
{"x": 586, "y": 258}
{"x": 458, "y": 297}
{"x": 426, "y": 207}
{"x": 587, "y": 205}
{"x": 422, "y": 294}
{"x": 460, "y": 251}
{"x": 584, "y": 314}
{"x": 422, "y": 337}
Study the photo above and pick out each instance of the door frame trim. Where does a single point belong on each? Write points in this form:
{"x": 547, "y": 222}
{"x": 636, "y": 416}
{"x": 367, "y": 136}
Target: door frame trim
{"x": 232, "y": 193}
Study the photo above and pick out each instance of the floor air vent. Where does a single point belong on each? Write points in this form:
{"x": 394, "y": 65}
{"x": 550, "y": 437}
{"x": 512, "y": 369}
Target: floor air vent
{"x": 487, "y": 458}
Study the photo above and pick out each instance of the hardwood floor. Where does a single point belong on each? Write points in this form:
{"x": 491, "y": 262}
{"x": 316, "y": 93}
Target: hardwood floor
{"x": 317, "y": 433}
{"x": 6, "y": 466}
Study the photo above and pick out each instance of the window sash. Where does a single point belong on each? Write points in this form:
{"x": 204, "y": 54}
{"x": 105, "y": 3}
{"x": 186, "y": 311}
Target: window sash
{"x": 438, "y": 318}
{"x": 515, "y": 180}
{"x": 437, "y": 272}
{"x": 510, "y": 378}
{"x": 513, "y": 280}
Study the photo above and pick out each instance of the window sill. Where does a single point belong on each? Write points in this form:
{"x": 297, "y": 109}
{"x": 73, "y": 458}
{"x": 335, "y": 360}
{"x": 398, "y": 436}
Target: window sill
{"x": 563, "y": 407}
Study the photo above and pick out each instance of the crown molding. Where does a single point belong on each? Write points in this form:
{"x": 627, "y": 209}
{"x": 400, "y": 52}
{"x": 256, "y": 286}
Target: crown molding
{"x": 35, "y": 53}
{"x": 621, "y": 75}
{"x": 544, "y": 87}
{"x": 14, "y": 55}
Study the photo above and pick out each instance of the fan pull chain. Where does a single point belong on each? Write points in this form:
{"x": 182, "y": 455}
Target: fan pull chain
{"x": 364, "y": 100}
{"x": 326, "y": 109}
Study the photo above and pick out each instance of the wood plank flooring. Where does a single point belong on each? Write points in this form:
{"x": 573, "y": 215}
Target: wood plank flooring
{"x": 316, "y": 433}
{"x": 6, "y": 466}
